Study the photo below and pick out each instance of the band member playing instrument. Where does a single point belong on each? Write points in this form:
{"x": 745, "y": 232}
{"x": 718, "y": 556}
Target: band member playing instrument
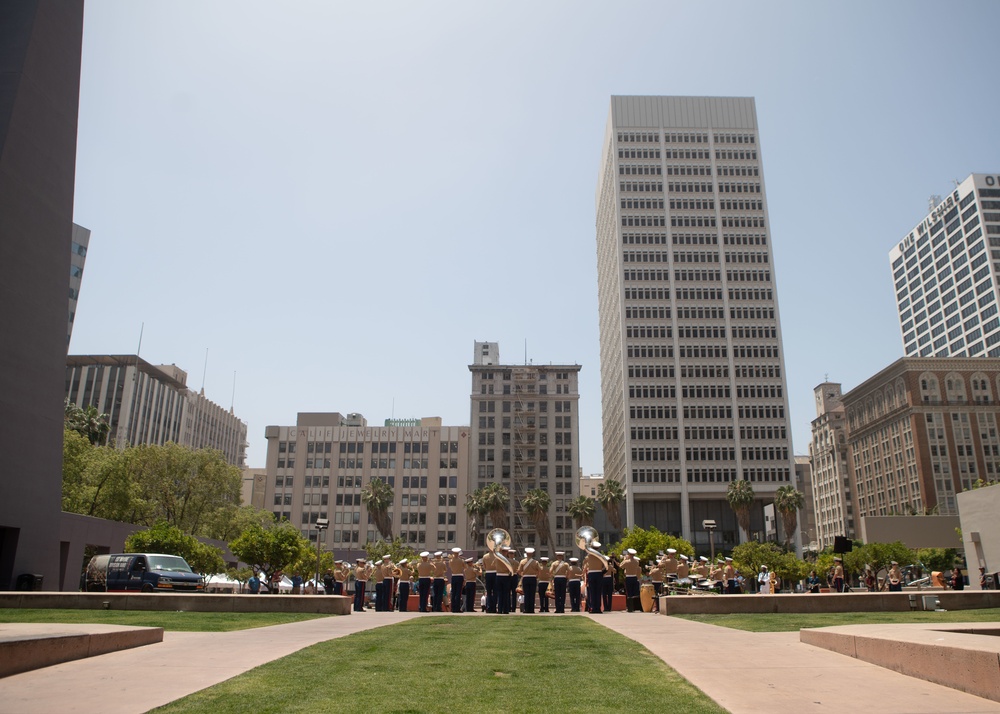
{"x": 425, "y": 571}
{"x": 440, "y": 581}
{"x": 729, "y": 578}
{"x": 457, "y": 567}
{"x": 633, "y": 570}
{"x": 656, "y": 576}
{"x": 560, "y": 572}
{"x": 471, "y": 573}
{"x": 405, "y": 574}
{"x": 361, "y": 573}
{"x": 594, "y": 569}
{"x": 608, "y": 583}
{"x": 574, "y": 584}
{"x": 490, "y": 579}
{"x": 544, "y": 579}
{"x": 387, "y": 583}
{"x": 503, "y": 583}
{"x": 528, "y": 570}
{"x": 669, "y": 565}
{"x": 514, "y": 578}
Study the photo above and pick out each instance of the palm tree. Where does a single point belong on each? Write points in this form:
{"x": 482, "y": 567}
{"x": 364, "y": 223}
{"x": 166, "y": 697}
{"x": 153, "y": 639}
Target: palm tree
{"x": 536, "y": 504}
{"x": 476, "y": 508}
{"x": 581, "y": 509}
{"x": 788, "y": 501}
{"x": 496, "y": 501}
{"x": 611, "y": 495}
{"x": 741, "y": 496}
{"x": 87, "y": 422}
{"x": 377, "y": 497}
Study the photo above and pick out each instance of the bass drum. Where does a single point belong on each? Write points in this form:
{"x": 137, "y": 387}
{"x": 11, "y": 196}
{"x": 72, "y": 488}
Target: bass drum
{"x": 646, "y": 596}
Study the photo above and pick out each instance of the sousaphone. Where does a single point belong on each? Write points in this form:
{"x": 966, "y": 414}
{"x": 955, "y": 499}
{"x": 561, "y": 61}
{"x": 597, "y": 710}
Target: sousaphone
{"x": 496, "y": 540}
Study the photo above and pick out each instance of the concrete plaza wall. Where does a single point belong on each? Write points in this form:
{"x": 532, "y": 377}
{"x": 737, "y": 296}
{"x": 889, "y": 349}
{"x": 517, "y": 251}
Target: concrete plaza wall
{"x": 196, "y": 602}
{"x": 978, "y": 511}
{"x": 832, "y": 602}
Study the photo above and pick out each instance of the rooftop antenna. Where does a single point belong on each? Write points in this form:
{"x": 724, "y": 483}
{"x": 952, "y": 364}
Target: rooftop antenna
{"x": 232, "y": 402}
{"x": 204, "y": 371}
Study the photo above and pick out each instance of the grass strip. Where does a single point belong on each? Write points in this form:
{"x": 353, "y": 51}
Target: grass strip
{"x": 178, "y": 621}
{"x": 793, "y": 621}
{"x": 482, "y": 664}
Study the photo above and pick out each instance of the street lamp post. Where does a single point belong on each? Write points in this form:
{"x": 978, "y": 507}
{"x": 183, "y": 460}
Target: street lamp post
{"x": 710, "y": 526}
{"x": 321, "y": 525}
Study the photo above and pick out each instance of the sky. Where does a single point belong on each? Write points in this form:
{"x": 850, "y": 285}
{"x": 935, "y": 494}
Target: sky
{"x": 333, "y": 201}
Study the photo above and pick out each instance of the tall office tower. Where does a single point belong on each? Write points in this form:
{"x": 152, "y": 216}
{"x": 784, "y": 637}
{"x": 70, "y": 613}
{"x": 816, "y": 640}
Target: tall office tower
{"x": 833, "y": 507}
{"x": 149, "y": 404}
{"x": 319, "y": 467}
{"x": 40, "y": 46}
{"x": 78, "y": 257}
{"x": 692, "y": 375}
{"x": 947, "y": 274}
{"x": 806, "y": 517}
{"x": 525, "y": 429}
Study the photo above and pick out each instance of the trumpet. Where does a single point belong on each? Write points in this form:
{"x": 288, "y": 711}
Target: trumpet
{"x": 497, "y": 539}
{"x": 584, "y": 537}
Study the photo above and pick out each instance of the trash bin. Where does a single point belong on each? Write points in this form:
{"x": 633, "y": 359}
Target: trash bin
{"x": 28, "y": 581}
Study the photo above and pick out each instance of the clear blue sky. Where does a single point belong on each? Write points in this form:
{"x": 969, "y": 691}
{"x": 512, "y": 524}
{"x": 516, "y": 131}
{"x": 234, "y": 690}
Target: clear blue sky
{"x": 337, "y": 199}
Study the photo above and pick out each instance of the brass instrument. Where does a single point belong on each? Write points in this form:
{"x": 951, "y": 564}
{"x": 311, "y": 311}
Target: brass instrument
{"x": 584, "y": 537}
{"x": 497, "y": 539}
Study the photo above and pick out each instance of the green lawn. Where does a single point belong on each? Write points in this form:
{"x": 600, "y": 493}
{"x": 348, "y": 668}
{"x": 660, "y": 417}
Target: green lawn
{"x": 179, "y": 621}
{"x": 792, "y": 622}
{"x": 481, "y": 664}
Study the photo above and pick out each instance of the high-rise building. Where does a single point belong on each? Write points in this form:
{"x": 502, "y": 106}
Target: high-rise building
{"x": 525, "y": 435}
{"x": 78, "y": 258}
{"x": 922, "y": 430}
{"x": 947, "y": 274}
{"x": 832, "y": 505}
{"x": 151, "y": 404}
{"x": 40, "y": 47}
{"x": 806, "y": 519}
{"x": 692, "y": 373}
{"x": 319, "y": 467}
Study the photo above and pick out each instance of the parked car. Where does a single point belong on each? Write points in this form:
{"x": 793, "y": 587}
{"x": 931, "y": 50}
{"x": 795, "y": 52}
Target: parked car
{"x": 142, "y": 572}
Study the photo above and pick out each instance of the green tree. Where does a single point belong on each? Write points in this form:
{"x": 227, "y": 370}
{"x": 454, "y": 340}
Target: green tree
{"x": 935, "y": 558}
{"x": 377, "y": 497}
{"x": 878, "y": 556}
{"x": 396, "y": 549}
{"x": 229, "y": 520}
{"x": 496, "y": 500}
{"x": 89, "y": 423}
{"x": 169, "y": 540}
{"x": 649, "y": 542}
{"x": 581, "y": 509}
{"x": 788, "y": 501}
{"x": 611, "y": 496}
{"x": 96, "y": 480}
{"x": 536, "y": 504}
{"x": 741, "y": 497}
{"x": 749, "y": 556}
{"x": 476, "y": 508}
{"x": 271, "y": 549}
{"x": 240, "y": 575}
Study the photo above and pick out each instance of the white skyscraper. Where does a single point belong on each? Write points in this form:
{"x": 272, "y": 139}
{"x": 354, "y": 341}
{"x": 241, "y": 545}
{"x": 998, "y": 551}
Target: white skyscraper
{"x": 945, "y": 272}
{"x": 692, "y": 373}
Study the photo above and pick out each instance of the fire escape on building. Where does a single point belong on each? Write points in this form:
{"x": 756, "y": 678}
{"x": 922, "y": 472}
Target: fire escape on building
{"x": 524, "y": 454}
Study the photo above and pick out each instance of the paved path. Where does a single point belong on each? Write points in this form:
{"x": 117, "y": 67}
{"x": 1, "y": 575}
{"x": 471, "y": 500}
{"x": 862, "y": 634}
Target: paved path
{"x": 768, "y": 672}
{"x": 140, "y": 679}
{"x": 744, "y": 672}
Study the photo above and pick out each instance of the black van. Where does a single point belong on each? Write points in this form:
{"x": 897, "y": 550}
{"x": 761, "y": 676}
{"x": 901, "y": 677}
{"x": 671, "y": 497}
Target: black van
{"x": 142, "y": 572}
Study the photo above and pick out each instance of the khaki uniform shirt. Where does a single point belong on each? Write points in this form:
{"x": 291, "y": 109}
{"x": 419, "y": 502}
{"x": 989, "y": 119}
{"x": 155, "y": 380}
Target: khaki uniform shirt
{"x": 457, "y": 564}
{"x": 669, "y": 565}
{"x": 656, "y": 574}
{"x": 529, "y": 566}
{"x": 425, "y": 569}
{"x": 631, "y": 567}
{"x": 440, "y": 568}
{"x": 489, "y": 563}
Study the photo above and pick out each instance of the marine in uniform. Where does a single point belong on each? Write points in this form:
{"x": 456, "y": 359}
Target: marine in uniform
{"x": 425, "y": 571}
{"x": 656, "y": 576}
{"x": 376, "y": 575}
{"x": 503, "y": 588}
{"x": 594, "y": 568}
{"x": 387, "y": 572}
{"x": 360, "y": 580}
{"x": 514, "y": 579}
{"x": 559, "y": 571}
{"x": 683, "y": 570}
{"x": 608, "y": 584}
{"x": 729, "y": 578}
{"x": 490, "y": 580}
{"x": 544, "y": 578}
{"x": 457, "y": 566}
{"x": 632, "y": 570}
{"x": 669, "y": 566}
{"x": 471, "y": 573}
{"x": 405, "y": 574}
{"x": 574, "y": 584}
{"x": 440, "y": 581}
{"x": 528, "y": 570}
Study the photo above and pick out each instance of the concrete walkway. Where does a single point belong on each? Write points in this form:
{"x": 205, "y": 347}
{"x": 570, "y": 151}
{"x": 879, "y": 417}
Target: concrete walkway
{"x": 768, "y": 672}
{"x": 743, "y": 671}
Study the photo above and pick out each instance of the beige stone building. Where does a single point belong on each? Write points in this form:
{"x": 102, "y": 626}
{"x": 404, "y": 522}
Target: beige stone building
{"x": 921, "y": 431}
{"x": 832, "y": 503}
{"x": 525, "y": 435}
{"x": 317, "y": 469}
